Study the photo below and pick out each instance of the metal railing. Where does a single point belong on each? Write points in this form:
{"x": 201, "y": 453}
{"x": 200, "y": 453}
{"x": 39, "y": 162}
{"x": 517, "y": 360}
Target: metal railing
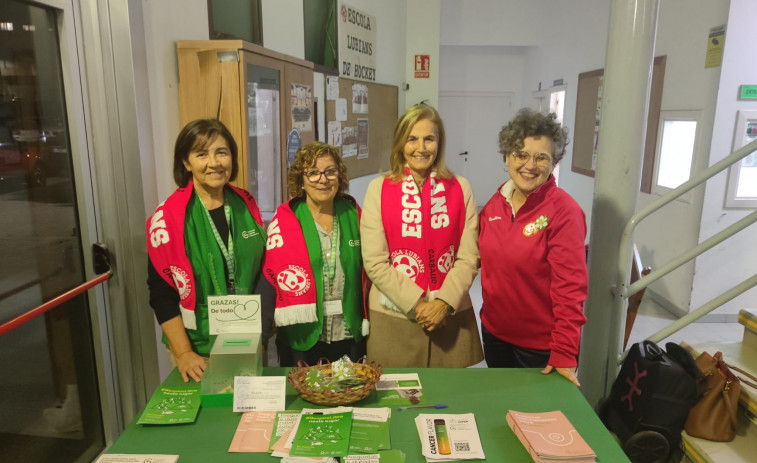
{"x": 101, "y": 263}
{"x": 624, "y": 289}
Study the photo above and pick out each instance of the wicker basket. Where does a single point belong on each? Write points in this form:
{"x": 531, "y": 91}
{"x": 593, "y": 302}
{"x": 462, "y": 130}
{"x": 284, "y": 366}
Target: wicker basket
{"x": 368, "y": 373}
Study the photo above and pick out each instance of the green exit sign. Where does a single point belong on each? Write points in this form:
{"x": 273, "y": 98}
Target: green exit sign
{"x": 748, "y": 92}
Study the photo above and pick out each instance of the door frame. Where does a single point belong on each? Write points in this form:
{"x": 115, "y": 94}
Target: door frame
{"x": 100, "y": 92}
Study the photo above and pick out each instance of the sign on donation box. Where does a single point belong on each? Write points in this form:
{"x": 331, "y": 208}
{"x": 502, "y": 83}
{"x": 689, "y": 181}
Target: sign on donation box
{"x": 236, "y": 322}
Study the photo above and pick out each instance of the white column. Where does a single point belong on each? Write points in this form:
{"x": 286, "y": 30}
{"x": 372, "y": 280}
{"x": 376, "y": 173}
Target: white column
{"x": 627, "y": 79}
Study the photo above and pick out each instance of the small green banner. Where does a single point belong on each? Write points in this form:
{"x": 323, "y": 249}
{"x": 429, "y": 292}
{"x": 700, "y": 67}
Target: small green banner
{"x": 748, "y": 92}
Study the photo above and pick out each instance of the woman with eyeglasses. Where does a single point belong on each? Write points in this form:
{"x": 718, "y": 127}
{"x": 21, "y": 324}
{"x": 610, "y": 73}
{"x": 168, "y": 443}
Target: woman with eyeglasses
{"x": 313, "y": 260}
{"x": 533, "y": 261}
{"x": 419, "y": 230}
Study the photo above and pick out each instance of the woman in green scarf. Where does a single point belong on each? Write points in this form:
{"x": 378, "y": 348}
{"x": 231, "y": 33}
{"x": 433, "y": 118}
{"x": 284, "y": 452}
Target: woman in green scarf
{"x": 206, "y": 239}
{"x": 313, "y": 260}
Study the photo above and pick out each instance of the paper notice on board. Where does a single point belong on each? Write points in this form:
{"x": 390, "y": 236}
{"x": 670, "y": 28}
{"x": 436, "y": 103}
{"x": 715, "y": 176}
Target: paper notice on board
{"x": 349, "y": 141}
{"x": 362, "y": 138}
{"x": 340, "y": 108}
{"x": 335, "y": 133}
{"x": 332, "y": 87}
{"x": 359, "y": 99}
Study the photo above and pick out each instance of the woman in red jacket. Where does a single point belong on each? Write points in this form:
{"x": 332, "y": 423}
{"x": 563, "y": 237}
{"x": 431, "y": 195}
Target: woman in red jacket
{"x": 533, "y": 264}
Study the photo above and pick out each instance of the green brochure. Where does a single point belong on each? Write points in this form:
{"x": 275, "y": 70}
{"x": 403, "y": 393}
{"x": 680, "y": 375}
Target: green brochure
{"x": 385, "y": 456}
{"x": 323, "y": 435}
{"x": 283, "y": 423}
{"x": 370, "y": 430}
{"x": 172, "y": 405}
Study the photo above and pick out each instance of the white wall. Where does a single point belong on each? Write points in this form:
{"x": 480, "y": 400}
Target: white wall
{"x": 574, "y": 40}
{"x": 492, "y": 22}
{"x": 284, "y": 27}
{"x": 165, "y": 22}
{"x": 728, "y": 264}
{"x": 683, "y": 26}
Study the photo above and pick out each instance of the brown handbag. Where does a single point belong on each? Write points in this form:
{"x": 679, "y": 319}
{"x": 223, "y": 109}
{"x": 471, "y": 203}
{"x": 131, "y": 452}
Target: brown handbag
{"x": 714, "y": 417}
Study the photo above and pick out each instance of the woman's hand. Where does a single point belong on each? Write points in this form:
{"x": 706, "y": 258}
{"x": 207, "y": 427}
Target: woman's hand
{"x": 568, "y": 373}
{"x": 431, "y": 315}
{"x": 191, "y": 365}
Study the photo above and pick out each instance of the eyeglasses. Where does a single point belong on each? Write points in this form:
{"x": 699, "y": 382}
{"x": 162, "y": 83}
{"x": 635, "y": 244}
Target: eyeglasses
{"x": 540, "y": 159}
{"x": 314, "y": 176}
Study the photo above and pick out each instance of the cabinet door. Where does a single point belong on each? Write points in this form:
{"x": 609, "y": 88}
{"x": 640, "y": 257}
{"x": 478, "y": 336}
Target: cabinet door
{"x": 260, "y": 165}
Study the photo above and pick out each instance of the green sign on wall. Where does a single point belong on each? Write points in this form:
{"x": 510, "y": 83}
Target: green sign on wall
{"x": 748, "y": 92}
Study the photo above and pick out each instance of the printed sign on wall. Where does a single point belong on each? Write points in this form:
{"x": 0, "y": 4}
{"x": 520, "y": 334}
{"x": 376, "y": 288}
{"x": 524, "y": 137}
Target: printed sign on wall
{"x": 357, "y": 44}
{"x": 422, "y": 66}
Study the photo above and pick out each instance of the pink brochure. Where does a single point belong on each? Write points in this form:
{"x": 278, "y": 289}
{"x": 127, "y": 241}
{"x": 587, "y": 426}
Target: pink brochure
{"x": 253, "y": 434}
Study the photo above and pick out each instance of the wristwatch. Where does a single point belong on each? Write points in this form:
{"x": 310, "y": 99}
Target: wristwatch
{"x": 450, "y": 310}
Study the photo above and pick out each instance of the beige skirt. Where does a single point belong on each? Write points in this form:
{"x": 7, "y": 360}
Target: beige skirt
{"x": 399, "y": 342}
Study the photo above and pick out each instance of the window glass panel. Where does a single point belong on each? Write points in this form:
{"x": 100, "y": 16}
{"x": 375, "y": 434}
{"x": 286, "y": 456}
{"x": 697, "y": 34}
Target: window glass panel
{"x": 235, "y": 19}
{"x": 49, "y": 405}
{"x": 676, "y": 152}
{"x": 320, "y": 32}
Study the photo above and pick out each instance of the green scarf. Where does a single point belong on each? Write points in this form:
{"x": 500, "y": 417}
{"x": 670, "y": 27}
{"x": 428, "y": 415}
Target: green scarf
{"x": 208, "y": 265}
{"x": 303, "y": 336}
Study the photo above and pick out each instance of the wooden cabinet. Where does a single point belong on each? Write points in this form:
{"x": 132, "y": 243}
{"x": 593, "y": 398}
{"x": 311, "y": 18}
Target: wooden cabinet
{"x": 262, "y": 97}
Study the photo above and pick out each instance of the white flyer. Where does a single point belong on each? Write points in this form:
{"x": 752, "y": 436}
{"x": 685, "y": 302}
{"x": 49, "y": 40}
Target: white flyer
{"x": 259, "y": 393}
{"x": 136, "y": 458}
{"x": 449, "y": 437}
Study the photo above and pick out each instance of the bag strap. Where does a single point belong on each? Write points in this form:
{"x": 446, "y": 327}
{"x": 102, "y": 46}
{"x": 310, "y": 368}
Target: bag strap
{"x": 749, "y": 375}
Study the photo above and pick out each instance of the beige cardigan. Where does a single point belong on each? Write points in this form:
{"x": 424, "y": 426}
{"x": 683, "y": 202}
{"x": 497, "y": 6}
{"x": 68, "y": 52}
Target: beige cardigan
{"x": 461, "y": 343}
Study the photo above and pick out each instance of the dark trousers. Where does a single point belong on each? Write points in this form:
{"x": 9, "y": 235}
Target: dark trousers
{"x": 501, "y": 354}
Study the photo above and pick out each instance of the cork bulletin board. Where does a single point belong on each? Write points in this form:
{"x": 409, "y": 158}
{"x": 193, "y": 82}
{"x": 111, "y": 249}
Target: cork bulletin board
{"x": 373, "y": 128}
{"x": 588, "y": 110}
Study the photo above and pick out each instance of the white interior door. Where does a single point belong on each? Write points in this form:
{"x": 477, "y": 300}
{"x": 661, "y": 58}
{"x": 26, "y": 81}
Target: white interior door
{"x": 472, "y": 122}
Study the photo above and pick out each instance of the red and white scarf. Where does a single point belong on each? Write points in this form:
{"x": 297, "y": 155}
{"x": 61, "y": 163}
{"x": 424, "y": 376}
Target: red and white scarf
{"x": 165, "y": 246}
{"x": 423, "y": 228}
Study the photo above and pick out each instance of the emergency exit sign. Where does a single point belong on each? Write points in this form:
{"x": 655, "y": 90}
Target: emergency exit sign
{"x": 748, "y": 92}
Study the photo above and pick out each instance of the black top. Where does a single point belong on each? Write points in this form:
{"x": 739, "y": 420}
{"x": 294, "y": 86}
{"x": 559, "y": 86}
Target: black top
{"x": 164, "y": 299}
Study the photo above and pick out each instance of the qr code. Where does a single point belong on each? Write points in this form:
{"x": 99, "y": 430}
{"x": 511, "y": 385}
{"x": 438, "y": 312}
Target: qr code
{"x": 462, "y": 447}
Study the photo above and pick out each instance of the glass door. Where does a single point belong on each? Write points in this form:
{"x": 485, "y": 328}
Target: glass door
{"x": 49, "y": 399}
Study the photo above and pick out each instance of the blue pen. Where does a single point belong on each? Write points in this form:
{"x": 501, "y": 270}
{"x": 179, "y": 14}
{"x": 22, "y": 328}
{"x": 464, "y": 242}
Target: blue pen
{"x": 423, "y": 406}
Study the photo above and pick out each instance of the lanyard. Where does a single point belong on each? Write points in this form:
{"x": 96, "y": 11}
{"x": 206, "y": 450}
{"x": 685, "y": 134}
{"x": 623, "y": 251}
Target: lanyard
{"x": 329, "y": 261}
{"x": 228, "y": 252}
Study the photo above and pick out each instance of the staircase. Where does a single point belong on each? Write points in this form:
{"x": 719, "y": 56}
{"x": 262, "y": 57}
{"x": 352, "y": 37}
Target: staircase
{"x": 742, "y": 354}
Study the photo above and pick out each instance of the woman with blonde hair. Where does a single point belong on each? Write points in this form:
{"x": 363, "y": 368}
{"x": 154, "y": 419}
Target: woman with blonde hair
{"x": 419, "y": 239}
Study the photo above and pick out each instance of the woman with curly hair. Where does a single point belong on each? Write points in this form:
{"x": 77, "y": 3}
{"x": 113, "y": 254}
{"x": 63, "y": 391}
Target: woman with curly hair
{"x": 313, "y": 260}
{"x": 533, "y": 261}
{"x": 419, "y": 231}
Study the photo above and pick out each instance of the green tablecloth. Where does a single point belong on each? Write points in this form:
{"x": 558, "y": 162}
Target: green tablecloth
{"x": 488, "y": 393}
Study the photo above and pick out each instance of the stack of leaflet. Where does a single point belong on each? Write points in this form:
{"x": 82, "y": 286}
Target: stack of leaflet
{"x": 449, "y": 437}
{"x": 550, "y": 437}
{"x": 322, "y": 435}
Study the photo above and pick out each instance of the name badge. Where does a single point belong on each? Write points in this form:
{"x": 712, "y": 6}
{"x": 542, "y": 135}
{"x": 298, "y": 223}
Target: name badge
{"x": 235, "y": 313}
{"x": 332, "y": 308}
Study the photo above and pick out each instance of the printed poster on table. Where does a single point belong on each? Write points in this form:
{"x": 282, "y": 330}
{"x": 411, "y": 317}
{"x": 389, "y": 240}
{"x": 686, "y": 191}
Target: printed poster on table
{"x": 357, "y": 44}
{"x": 302, "y": 107}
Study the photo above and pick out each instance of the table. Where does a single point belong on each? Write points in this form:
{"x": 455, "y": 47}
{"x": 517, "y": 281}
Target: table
{"x": 487, "y": 392}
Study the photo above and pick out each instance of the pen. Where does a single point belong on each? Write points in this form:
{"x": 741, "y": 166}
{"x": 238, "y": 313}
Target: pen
{"x": 423, "y": 406}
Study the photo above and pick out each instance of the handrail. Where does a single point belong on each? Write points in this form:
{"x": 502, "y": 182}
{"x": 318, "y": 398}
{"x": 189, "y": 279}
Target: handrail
{"x": 52, "y": 303}
{"x": 626, "y": 240}
{"x": 705, "y": 245}
{"x": 625, "y": 289}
